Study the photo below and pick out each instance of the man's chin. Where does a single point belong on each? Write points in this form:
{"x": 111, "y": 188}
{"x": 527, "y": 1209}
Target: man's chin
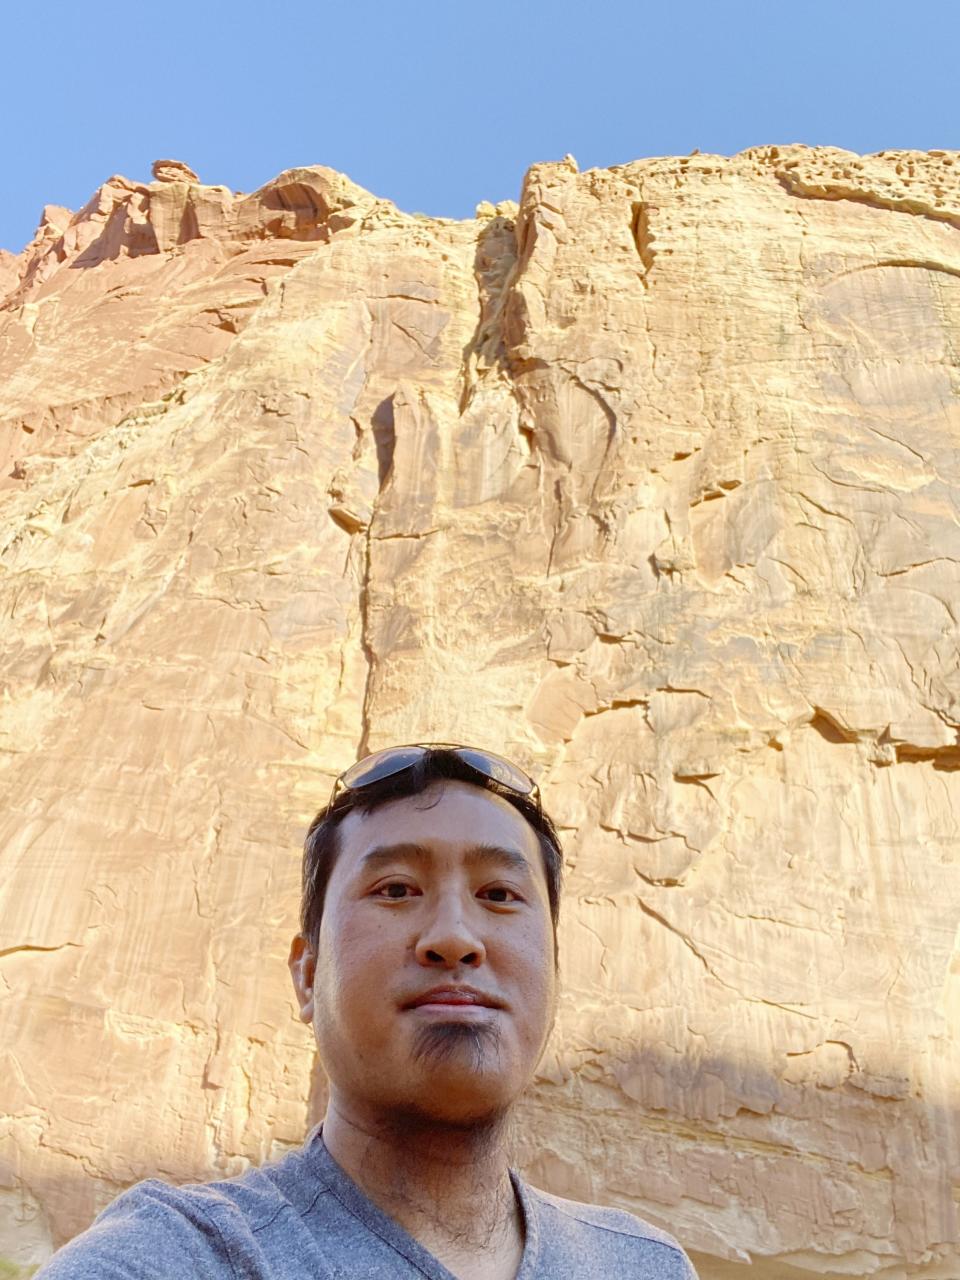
{"x": 460, "y": 1073}
{"x": 470, "y": 1047}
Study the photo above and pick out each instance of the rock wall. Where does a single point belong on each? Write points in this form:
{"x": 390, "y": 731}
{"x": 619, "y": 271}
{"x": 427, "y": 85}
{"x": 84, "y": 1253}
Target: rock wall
{"x": 650, "y": 482}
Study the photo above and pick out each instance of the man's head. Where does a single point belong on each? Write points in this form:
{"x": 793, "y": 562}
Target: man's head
{"x": 427, "y": 957}
{"x": 427, "y": 767}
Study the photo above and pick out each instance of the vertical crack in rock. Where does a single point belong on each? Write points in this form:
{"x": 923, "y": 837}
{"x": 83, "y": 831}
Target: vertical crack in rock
{"x": 642, "y": 236}
{"x": 369, "y": 652}
{"x": 494, "y": 266}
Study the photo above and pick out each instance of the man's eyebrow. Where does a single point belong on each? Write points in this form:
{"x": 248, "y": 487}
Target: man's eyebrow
{"x": 476, "y": 855}
{"x": 495, "y": 854}
{"x": 381, "y": 854}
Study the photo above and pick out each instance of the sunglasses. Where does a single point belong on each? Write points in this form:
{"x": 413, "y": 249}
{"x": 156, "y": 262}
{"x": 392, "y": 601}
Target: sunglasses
{"x": 394, "y": 760}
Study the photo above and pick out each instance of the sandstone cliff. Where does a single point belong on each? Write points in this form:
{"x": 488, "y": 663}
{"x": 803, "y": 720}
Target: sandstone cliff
{"x": 651, "y": 482}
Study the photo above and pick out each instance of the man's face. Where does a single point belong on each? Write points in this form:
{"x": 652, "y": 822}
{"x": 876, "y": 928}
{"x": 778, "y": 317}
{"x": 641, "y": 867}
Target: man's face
{"x": 432, "y": 989}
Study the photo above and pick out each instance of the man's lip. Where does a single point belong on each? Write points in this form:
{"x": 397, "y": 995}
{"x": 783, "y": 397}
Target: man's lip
{"x": 453, "y": 996}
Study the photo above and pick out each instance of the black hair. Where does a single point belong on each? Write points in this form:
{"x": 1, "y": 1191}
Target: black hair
{"x": 321, "y": 845}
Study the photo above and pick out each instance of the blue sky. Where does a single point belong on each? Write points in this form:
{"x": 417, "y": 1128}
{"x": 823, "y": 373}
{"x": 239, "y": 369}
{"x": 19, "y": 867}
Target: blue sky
{"x": 440, "y": 105}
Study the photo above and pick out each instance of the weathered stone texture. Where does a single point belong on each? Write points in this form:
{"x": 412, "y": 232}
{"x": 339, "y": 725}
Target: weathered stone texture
{"x": 651, "y": 482}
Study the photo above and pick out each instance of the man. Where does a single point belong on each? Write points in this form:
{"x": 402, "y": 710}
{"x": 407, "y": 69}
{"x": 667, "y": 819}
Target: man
{"x": 426, "y": 964}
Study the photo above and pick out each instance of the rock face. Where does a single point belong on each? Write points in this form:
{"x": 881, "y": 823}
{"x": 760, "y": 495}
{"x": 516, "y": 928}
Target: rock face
{"x": 650, "y": 482}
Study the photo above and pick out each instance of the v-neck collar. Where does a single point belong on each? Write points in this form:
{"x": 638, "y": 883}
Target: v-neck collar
{"x": 357, "y": 1202}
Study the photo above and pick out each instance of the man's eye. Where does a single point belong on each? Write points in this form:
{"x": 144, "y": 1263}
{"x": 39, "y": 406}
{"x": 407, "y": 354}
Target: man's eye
{"x": 500, "y": 893}
{"x": 395, "y": 890}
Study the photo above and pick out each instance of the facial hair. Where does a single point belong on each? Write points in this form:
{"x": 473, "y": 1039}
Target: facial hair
{"x": 439, "y": 1044}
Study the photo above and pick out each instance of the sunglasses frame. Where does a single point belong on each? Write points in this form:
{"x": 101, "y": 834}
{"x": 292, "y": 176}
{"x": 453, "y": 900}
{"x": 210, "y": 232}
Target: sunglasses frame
{"x": 530, "y": 792}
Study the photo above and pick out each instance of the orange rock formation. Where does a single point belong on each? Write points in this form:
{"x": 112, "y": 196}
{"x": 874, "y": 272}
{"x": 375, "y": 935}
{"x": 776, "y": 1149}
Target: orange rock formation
{"x": 651, "y": 482}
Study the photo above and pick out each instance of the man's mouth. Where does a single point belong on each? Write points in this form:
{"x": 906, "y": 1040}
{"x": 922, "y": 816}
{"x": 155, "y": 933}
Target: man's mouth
{"x": 453, "y": 998}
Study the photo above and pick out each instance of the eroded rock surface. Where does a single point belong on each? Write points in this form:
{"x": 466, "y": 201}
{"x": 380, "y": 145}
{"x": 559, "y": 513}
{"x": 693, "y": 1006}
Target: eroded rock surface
{"x": 651, "y": 482}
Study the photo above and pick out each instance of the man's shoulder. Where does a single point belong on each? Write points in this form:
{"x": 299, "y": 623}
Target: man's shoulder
{"x": 257, "y": 1195}
{"x": 569, "y": 1224}
{"x": 605, "y": 1218}
{"x": 199, "y": 1224}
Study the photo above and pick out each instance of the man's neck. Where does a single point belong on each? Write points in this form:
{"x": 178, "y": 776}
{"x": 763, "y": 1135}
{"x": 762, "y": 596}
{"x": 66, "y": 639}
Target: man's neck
{"x": 448, "y": 1186}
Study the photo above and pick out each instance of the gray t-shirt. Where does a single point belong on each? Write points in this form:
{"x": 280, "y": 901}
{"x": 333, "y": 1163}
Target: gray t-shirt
{"x": 304, "y": 1217}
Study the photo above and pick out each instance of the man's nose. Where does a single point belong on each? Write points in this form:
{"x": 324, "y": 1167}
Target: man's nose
{"x": 448, "y": 938}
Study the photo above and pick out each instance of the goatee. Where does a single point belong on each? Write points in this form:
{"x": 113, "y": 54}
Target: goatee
{"x": 439, "y": 1043}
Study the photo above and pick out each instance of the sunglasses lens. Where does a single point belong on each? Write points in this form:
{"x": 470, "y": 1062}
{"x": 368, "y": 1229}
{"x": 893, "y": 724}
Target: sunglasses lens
{"x": 384, "y": 764}
{"x": 380, "y": 765}
{"x": 498, "y": 769}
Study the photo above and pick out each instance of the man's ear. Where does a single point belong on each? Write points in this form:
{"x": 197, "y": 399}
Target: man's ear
{"x": 303, "y": 965}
